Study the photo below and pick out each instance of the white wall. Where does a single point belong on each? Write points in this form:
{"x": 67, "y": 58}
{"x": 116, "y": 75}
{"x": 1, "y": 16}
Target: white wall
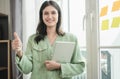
{"x": 5, "y": 9}
{"x": 28, "y": 19}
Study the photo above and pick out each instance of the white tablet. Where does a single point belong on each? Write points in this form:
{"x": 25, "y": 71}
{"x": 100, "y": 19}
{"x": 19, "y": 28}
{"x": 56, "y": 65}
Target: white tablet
{"x": 63, "y": 51}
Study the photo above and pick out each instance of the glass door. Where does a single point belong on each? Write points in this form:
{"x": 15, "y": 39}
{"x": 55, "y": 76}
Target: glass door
{"x": 103, "y": 39}
{"x": 109, "y": 27}
{"x": 99, "y": 37}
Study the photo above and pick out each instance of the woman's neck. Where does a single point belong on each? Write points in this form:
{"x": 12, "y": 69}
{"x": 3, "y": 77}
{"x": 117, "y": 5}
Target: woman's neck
{"x": 52, "y": 35}
{"x": 51, "y": 31}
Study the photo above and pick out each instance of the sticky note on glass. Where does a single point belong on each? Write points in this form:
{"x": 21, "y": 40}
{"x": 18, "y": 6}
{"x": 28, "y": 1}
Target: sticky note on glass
{"x": 116, "y": 6}
{"x": 104, "y": 11}
{"x": 105, "y": 25}
{"x": 116, "y": 22}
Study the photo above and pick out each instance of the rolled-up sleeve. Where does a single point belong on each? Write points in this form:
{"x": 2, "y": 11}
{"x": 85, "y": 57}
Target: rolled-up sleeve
{"x": 24, "y": 64}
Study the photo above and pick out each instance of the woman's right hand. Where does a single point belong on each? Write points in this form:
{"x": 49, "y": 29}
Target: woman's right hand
{"x": 17, "y": 45}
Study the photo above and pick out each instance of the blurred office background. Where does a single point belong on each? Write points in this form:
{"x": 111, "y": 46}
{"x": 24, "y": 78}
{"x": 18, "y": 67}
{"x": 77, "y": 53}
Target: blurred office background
{"x": 96, "y": 23}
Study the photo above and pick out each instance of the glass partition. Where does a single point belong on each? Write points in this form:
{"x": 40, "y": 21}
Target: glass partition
{"x": 109, "y": 22}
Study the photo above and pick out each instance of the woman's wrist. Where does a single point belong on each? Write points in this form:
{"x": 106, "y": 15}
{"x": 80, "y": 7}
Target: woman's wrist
{"x": 59, "y": 66}
{"x": 19, "y": 53}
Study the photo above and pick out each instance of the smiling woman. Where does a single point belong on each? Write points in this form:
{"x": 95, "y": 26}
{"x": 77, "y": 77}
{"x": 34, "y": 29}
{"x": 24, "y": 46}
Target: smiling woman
{"x": 40, "y": 48}
{"x": 50, "y": 16}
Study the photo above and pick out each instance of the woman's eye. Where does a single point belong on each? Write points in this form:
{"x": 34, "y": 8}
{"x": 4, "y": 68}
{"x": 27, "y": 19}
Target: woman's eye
{"x": 46, "y": 13}
{"x": 53, "y": 12}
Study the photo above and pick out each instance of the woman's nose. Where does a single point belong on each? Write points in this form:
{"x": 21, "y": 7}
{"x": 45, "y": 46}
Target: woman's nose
{"x": 49, "y": 16}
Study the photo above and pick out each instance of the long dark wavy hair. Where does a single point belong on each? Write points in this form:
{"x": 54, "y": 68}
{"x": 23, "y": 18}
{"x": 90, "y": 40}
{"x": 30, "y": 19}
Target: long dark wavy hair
{"x": 41, "y": 28}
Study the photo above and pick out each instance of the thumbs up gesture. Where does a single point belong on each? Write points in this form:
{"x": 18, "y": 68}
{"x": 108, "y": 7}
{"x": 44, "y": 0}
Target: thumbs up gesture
{"x": 17, "y": 44}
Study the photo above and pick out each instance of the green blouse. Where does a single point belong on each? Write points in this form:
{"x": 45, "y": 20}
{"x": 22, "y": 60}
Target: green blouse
{"x": 35, "y": 55}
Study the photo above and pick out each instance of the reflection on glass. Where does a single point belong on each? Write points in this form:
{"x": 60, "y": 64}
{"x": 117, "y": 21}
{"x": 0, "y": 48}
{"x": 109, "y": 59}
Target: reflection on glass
{"x": 105, "y": 64}
{"x": 110, "y": 65}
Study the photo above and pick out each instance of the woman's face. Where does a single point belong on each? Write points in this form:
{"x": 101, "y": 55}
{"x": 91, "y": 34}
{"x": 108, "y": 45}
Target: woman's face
{"x": 50, "y": 16}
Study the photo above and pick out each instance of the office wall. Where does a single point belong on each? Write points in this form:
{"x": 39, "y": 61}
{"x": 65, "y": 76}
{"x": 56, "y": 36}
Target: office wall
{"x": 5, "y": 9}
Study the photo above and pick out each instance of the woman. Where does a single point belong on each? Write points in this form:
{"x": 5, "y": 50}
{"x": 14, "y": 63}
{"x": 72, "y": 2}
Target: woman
{"x": 38, "y": 56}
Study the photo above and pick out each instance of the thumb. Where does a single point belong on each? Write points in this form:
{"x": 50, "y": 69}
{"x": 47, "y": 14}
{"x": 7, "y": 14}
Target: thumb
{"x": 47, "y": 62}
{"x": 16, "y": 36}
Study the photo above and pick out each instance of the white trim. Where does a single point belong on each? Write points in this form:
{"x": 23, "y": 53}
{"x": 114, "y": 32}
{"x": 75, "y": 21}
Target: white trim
{"x": 92, "y": 39}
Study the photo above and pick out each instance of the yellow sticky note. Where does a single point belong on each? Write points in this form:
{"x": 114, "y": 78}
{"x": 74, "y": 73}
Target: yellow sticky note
{"x": 105, "y": 25}
{"x": 116, "y": 6}
{"x": 116, "y": 22}
{"x": 104, "y": 11}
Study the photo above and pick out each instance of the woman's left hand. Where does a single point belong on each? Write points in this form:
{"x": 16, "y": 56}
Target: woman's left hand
{"x": 51, "y": 65}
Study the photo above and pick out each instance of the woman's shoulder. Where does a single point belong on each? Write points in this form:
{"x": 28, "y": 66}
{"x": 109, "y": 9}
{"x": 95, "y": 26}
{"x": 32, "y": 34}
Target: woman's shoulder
{"x": 32, "y": 37}
{"x": 71, "y": 35}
